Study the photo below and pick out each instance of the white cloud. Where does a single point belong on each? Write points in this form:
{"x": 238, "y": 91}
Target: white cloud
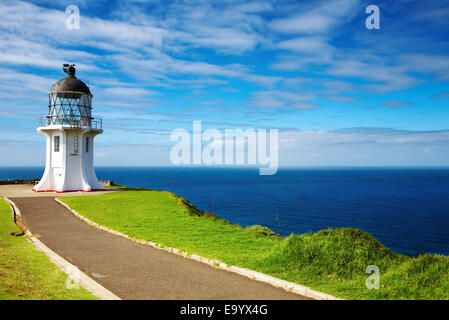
{"x": 313, "y": 45}
{"x": 163, "y": 65}
{"x": 32, "y": 35}
{"x": 20, "y": 51}
{"x": 396, "y": 103}
{"x": 427, "y": 64}
{"x": 441, "y": 95}
{"x": 137, "y": 54}
{"x": 364, "y": 135}
{"x": 277, "y": 98}
{"x": 18, "y": 86}
{"x": 304, "y": 23}
{"x": 317, "y": 20}
{"x": 383, "y": 77}
{"x": 123, "y": 91}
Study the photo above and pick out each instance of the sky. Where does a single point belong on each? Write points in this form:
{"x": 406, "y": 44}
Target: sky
{"x": 339, "y": 94}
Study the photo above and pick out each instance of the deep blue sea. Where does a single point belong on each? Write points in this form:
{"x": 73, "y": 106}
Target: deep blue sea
{"x": 405, "y": 209}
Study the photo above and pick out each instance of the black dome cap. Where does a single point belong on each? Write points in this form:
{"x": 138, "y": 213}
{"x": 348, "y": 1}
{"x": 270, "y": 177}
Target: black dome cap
{"x": 70, "y": 83}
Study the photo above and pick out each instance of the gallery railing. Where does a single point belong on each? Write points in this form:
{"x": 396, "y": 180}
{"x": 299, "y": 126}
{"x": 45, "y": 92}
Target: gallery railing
{"x": 72, "y": 121}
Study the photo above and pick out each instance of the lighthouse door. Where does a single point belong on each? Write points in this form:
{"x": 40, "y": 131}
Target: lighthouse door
{"x": 57, "y": 176}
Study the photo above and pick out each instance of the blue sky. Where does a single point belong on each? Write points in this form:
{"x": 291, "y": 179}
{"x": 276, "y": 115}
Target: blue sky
{"x": 339, "y": 94}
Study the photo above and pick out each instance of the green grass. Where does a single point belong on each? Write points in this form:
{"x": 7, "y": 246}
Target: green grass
{"x": 27, "y": 273}
{"x": 332, "y": 261}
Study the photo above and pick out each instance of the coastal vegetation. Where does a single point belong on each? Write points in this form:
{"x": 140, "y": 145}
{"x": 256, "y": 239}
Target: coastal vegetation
{"x": 27, "y": 273}
{"x": 331, "y": 261}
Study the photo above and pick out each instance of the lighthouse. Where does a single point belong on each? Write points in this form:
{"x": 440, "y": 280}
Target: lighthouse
{"x": 70, "y": 131}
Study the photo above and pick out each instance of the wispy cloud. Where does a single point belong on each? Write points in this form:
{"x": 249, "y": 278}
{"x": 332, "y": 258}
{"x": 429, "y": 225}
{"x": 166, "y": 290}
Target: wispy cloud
{"x": 364, "y": 135}
{"x": 154, "y": 66}
{"x": 319, "y": 19}
{"x": 441, "y": 95}
{"x": 396, "y": 103}
{"x": 277, "y": 99}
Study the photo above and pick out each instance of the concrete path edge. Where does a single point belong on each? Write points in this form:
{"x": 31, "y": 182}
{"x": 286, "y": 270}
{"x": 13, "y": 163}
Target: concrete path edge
{"x": 254, "y": 275}
{"x": 84, "y": 280}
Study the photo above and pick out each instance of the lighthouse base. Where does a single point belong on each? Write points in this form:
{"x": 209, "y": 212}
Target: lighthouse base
{"x": 69, "y": 164}
{"x": 67, "y": 190}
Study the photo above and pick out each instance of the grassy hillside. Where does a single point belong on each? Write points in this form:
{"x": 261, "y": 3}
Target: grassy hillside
{"x": 27, "y": 273}
{"x": 332, "y": 261}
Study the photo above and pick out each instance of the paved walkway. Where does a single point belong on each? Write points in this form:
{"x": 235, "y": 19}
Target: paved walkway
{"x": 26, "y": 190}
{"x": 132, "y": 270}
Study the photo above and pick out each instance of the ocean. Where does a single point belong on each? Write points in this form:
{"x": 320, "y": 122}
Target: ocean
{"x": 405, "y": 209}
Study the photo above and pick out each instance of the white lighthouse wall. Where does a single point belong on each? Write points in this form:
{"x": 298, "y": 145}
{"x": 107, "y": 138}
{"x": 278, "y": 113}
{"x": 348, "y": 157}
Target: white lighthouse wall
{"x": 65, "y": 170}
{"x": 46, "y": 182}
{"x": 73, "y": 175}
{"x": 88, "y": 161}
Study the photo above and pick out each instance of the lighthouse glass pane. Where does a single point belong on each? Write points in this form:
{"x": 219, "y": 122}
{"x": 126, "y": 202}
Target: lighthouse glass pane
{"x": 70, "y": 108}
{"x": 84, "y": 107}
{"x": 56, "y": 144}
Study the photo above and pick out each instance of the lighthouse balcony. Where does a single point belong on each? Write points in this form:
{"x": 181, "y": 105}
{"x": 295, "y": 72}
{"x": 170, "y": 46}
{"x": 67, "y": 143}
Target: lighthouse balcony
{"x": 70, "y": 122}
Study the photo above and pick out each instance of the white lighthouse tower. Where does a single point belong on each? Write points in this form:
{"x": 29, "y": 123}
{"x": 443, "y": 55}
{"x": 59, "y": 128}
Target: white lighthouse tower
{"x": 70, "y": 131}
